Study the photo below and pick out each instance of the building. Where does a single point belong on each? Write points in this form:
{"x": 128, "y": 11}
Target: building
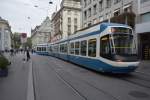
{"x": 143, "y": 29}
{"x": 95, "y": 11}
{"x": 41, "y": 34}
{"x": 67, "y": 20}
{"x": 5, "y": 35}
{"x": 56, "y": 31}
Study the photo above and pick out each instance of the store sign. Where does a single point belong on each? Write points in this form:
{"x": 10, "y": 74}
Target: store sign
{"x": 23, "y": 37}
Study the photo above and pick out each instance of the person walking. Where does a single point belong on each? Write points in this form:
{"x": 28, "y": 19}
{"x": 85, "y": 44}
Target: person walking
{"x": 28, "y": 55}
{"x": 11, "y": 52}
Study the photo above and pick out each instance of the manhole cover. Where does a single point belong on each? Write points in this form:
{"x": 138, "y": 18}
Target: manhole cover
{"x": 138, "y": 94}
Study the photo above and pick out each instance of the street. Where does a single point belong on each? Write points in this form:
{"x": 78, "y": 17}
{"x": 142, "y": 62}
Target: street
{"x": 49, "y": 78}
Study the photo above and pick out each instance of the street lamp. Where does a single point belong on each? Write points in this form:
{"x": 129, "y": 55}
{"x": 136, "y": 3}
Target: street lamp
{"x": 50, "y": 2}
{"x": 36, "y": 6}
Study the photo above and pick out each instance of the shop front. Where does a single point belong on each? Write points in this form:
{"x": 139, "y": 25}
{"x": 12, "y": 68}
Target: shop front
{"x": 144, "y": 46}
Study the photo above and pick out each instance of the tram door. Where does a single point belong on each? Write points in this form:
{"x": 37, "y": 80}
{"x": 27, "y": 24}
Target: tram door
{"x": 146, "y": 52}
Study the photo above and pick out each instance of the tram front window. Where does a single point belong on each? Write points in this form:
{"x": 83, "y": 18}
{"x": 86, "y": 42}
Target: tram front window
{"x": 123, "y": 44}
{"x": 124, "y": 47}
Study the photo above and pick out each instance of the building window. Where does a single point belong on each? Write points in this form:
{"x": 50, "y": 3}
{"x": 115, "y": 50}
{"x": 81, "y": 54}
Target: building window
{"x": 92, "y": 48}
{"x": 89, "y": 12}
{"x": 116, "y": 1}
{"x": 75, "y": 21}
{"x": 95, "y": 8}
{"x": 76, "y": 13}
{"x": 108, "y": 3}
{"x": 69, "y": 20}
{"x": 95, "y": 21}
{"x": 117, "y": 12}
{"x": 145, "y": 17}
{"x": 75, "y": 28}
{"x": 100, "y": 5}
{"x": 85, "y": 25}
{"x": 89, "y": 24}
{"x": 142, "y": 1}
{"x": 85, "y": 15}
{"x": 83, "y": 47}
{"x": 128, "y": 8}
{"x": 77, "y": 47}
{"x": 85, "y": 3}
{"x": 101, "y": 18}
{"x": 69, "y": 12}
{"x": 69, "y": 29}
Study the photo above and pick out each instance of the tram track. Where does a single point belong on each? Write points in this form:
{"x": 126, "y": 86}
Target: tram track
{"x": 146, "y": 74}
{"x": 68, "y": 84}
{"x": 136, "y": 78}
{"x": 135, "y": 83}
{"x": 85, "y": 82}
{"x": 139, "y": 79}
{"x": 34, "y": 82}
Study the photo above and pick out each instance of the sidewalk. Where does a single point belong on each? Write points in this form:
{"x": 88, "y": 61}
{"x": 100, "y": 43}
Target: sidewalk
{"x": 144, "y": 67}
{"x": 14, "y": 86}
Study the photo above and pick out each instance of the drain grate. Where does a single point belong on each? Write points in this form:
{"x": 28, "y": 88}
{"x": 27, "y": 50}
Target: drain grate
{"x": 138, "y": 94}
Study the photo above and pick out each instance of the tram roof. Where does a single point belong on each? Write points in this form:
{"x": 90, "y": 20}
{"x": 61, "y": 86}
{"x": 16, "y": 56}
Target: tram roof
{"x": 43, "y": 44}
{"x": 95, "y": 29}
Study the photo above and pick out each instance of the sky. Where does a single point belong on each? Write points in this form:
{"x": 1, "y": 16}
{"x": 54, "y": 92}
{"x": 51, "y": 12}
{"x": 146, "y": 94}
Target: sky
{"x": 23, "y": 15}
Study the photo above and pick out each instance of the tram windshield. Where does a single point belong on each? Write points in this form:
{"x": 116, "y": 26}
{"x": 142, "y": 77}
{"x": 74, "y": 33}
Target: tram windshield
{"x": 123, "y": 44}
{"x": 119, "y": 45}
{"x": 123, "y": 47}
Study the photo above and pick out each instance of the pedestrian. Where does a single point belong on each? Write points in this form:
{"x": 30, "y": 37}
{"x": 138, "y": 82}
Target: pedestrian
{"x": 32, "y": 51}
{"x": 28, "y": 55}
{"x": 11, "y": 52}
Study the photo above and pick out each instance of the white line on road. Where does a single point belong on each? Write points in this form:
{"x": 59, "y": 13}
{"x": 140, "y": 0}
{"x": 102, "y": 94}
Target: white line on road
{"x": 30, "y": 90}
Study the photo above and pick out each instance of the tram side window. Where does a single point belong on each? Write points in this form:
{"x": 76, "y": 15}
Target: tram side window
{"x": 105, "y": 46}
{"x": 65, "y": 48}
{"x": 92, "y": 47}
{"x": 83, "y": 47}
{"x": 37, "y": 48}
{"x": 77, "y": 48}
{"x": 72, "y": 48}
{"x": 61, "y": 48}
{"x": 44, "y": 48}
{"x": 56, "y": 48}
{"x": 50, "y": 49}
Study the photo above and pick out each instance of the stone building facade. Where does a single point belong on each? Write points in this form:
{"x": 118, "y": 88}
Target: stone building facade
{"x": 41, "y": 34}
{"x": 5, "y": 35}
{"x": 67, "y": 20}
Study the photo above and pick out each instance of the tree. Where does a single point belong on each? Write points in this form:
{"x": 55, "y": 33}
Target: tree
{"x": 17, "y": 40}
{"x": 28, "y": 43}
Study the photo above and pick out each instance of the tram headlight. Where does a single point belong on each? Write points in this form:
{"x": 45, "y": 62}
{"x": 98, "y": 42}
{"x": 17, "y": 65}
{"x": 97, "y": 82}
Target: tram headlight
{"x": 119, "y": 60}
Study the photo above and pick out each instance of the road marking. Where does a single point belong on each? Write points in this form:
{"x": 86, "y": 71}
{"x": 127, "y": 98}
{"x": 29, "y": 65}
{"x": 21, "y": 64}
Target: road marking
{"x": 30, "y": 90}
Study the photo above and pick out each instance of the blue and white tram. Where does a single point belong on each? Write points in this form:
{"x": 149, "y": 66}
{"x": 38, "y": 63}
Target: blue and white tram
{"x": 41, "y": 49}
{"x": 106, "y": 47}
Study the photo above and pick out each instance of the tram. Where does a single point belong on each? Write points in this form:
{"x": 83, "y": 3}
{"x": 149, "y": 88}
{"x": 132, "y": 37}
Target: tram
{"x": 105, "y": 47}
{"x": 41, "y": 49}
